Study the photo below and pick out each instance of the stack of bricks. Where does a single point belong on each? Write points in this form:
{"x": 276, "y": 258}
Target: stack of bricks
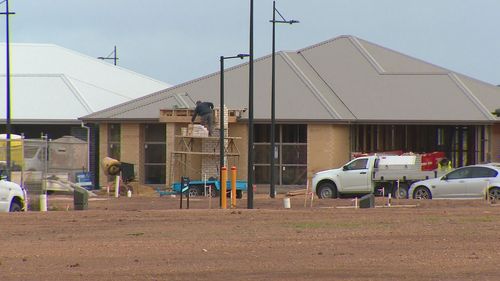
{"x": 210, "y": 165}
{"x": 197, "y": 131}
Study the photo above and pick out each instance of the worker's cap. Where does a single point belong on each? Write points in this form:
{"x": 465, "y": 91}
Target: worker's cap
{"x": 198, "y": 102}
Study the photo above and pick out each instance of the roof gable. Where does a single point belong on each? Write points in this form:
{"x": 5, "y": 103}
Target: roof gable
{"x": 393, "y": 88}
{"x": 345, "y": 79}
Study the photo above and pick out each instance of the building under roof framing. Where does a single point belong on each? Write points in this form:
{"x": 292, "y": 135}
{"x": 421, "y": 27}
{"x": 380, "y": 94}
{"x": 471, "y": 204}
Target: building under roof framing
{"x": 333, "y": 99}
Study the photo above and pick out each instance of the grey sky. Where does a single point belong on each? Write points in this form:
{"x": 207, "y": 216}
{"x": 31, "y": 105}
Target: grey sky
{"x": 178, "y": 40}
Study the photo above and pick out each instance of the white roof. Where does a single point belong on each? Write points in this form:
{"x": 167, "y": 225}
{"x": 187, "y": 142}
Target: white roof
{"x": 52, "y": 84}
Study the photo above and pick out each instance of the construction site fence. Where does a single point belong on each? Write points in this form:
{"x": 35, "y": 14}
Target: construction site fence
{"x": 33, "y": 161}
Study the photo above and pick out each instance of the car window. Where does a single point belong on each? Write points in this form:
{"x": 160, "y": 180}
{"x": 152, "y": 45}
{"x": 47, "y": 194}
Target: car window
{"x": 483, "y": 172}
{"x": 459, "y": 174}
{"x": 358, "y": 164}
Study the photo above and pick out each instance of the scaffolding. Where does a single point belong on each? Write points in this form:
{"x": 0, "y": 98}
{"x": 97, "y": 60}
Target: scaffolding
{"x": 198, "y": 156}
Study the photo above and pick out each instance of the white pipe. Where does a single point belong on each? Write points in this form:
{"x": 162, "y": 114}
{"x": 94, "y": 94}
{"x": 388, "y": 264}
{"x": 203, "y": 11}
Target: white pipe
{"x": 397, "y": 189}
{"x": 286, "y": 203}
{"x": 43, "y": 202}
{"x": 205, "y": 184}
{"x": 117, "y": 186}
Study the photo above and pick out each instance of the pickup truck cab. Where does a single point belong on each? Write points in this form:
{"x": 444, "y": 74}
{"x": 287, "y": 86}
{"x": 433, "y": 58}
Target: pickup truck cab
{"x": 371, "y": 174}
{"x": 353, "y": 177}
{"x": 12, "y": 197}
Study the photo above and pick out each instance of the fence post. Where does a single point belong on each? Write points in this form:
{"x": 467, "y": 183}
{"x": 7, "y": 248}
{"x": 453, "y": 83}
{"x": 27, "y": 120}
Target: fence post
{"x": 233, "y": 187}
{"x": 223, "y": 191}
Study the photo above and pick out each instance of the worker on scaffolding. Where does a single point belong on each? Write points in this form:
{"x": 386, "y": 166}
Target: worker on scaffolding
{"x": 205, "y": 111}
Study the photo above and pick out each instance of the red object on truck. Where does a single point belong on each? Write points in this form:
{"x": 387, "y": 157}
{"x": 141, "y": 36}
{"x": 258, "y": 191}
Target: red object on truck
{"x": 430, "y": 160}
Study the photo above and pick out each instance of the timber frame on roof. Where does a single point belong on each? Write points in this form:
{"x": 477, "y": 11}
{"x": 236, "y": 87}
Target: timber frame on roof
{"x": 184, "y": 115}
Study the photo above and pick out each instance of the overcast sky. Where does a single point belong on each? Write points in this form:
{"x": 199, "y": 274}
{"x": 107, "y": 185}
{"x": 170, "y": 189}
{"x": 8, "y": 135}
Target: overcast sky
{"x": 178, "y": 40}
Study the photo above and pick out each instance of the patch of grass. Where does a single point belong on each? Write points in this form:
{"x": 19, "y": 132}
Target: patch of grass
{"x": 479, "y": 219}
{"x": 476, "y": 219}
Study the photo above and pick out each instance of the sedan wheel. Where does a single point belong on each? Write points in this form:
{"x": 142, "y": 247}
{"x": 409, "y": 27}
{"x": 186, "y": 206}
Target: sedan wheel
{"x": 422, "y": 193}
{"x": 494, "y": 194}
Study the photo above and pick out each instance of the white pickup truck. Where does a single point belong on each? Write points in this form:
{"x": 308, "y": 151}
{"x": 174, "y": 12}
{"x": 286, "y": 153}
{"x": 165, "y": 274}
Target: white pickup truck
{"x": 12, "y": 197}
{"x": 371, "y": 174}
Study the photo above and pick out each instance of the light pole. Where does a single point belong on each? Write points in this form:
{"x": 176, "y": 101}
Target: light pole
{"x": 272, "y": 154}
{"x": 250, "y": 117}
{"x": 8, "y": 128}
{"x": 221, "y": 113}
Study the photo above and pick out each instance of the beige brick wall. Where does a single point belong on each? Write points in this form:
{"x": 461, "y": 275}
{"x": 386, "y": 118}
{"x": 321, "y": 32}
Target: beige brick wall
{"x": 130, "y": 148}
{"x": 328, "y": 147}
{"x": 495, "y": 143}
{"x": 210, "y": 164}
{"x": 241, "y": 163}
{"x": 171, "y": 130}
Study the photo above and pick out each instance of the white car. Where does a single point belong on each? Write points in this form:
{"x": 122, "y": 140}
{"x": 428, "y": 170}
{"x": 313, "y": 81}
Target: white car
{"x": 476, "y": 181}
{"x": 12, "y": 197}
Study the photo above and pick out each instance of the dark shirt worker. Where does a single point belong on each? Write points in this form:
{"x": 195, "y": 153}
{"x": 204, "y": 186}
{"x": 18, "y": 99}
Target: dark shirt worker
{"x": 205, "y": 111}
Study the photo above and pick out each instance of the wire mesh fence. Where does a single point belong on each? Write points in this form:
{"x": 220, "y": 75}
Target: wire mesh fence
{"x": 43, "y": 166}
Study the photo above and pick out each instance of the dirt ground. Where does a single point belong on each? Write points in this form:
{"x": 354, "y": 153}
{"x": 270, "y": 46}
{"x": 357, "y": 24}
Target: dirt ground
{"x": 150, "y": 238}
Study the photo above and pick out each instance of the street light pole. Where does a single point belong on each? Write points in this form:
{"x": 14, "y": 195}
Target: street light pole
{"x": 221, "y": 113}
{"x": 250, "y": 117}
{"x": 7, "y": 77}
{"x": 272, "y": 154}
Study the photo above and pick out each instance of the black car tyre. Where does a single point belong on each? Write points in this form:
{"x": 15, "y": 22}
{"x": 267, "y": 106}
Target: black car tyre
{"x": 327, "y": 190}
{"x": 494, "y": 194}
{"x": 401, "y": 193}
{"x": 422, "y": 192}
{"x": 15, "y": 207}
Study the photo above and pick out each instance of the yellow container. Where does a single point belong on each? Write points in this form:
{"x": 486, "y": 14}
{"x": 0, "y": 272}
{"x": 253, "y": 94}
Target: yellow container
{"x": 16, "y": 149}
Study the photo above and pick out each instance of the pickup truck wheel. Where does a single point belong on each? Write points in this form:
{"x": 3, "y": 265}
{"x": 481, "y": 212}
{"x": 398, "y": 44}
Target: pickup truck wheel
{"x": 327, "y": 190}
{"x": 15, "y": 207}
{"x": 422, "y": 192}
{"x": 401, "y": 193}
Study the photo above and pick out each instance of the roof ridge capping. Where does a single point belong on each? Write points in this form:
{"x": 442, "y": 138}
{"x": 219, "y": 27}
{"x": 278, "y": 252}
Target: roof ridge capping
{"x": 359, "y": 44}
{"x": 325, "y": 42}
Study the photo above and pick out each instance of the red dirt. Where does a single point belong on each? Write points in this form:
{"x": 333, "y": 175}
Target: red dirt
{"x": 149, "y": 238}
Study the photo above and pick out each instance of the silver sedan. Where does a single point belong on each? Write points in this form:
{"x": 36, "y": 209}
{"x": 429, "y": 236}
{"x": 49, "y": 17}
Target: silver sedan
{"x": 477, "y": 181}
